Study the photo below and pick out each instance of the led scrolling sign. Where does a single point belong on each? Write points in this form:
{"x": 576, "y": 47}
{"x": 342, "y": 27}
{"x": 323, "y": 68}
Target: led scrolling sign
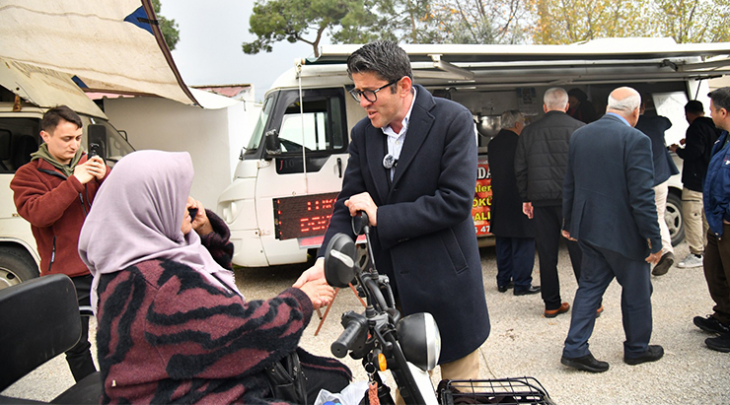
{"x": 303, "y": 216}
{"x": 308, "y": 215}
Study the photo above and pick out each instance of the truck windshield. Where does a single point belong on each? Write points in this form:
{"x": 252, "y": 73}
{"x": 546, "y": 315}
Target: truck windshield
{"x": 258, "y": 132}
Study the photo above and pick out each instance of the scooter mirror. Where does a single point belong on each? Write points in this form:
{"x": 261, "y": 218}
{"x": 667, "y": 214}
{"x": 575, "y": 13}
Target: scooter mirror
{"x": 340, "y": 261}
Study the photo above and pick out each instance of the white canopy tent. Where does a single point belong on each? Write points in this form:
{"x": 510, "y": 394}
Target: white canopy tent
{"x": 108, "y": 45}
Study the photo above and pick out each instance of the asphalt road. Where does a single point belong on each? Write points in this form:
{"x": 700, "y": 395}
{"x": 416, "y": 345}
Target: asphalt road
{"x": 524, "y": 343}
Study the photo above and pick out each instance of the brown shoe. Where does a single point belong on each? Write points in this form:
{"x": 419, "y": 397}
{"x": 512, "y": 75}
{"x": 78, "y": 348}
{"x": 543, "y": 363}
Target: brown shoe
{"x": 662, "y": 267}
{"x": 599, "y": 311}
{"x": 552, "y": 313}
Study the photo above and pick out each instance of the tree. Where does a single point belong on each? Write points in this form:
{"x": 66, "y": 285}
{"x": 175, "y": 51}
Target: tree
{"x": 168, "y": 27}
{"x": 569, "y": 21}
{"x": 478, "y": 21}
{"x": 292, "y": 20}
{"x": 692, "y": 20}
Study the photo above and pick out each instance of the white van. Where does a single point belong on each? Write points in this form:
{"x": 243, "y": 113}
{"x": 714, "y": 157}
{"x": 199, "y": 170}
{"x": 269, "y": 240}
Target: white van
{"x": 289, "y": 175}
{"x": 26, "y": 92}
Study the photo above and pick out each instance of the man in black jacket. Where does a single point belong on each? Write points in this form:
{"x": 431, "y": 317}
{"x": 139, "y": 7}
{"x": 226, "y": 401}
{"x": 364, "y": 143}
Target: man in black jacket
{"x": 701, "y": 135}
{"x": 540, "y": 163}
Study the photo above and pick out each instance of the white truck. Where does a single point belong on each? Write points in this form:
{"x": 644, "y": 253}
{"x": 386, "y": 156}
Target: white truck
{"x": 289, "y": 175}
{"x": 26, "y": 93}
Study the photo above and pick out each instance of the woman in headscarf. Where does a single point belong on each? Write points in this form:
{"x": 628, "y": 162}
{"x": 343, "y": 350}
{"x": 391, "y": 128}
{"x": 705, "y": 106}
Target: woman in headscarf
{"x": 172, "y": 325}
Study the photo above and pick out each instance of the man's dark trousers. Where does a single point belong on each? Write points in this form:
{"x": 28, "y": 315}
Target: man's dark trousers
{"x": 548, "y": 224}
{"x": 717, "y": 272}
{"x": 515, "y": 260}
{"x": 79, "y": 357}
{"x": 600, "y": 266}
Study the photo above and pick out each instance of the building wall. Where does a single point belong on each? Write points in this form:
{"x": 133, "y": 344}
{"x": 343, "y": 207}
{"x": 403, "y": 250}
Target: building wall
{"x": 207, "y": 134}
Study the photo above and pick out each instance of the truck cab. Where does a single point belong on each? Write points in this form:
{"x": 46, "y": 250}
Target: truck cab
{"x": 288, "y": 177}
{"x": 26, "y": 93}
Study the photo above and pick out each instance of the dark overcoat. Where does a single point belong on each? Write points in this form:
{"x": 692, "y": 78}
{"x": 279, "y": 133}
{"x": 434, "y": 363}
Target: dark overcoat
{"x": 425, "y": 239}
{"x": 608, "y": 199}
{"x": 508, "y": 220}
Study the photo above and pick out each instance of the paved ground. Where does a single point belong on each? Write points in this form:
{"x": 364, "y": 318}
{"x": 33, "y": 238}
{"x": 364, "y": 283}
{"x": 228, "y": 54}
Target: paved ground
{"x": 524, "y": 343}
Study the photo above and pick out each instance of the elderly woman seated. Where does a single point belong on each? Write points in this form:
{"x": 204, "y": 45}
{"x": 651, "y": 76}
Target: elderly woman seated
{"x": 172, "y": 325}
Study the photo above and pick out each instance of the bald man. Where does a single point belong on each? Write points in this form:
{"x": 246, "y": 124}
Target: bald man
{"x": 609, "y": 208}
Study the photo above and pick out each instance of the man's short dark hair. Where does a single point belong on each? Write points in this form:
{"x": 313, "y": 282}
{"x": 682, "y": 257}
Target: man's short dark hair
{"x": 384, "y": 58}
{"x": 721, "y": 98}
{"x": 53, "y": 116}
{"x": 694, "y": 107}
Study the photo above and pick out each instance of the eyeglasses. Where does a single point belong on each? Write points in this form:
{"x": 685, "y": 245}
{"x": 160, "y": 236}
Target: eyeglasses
{"x": 370, "y": 95}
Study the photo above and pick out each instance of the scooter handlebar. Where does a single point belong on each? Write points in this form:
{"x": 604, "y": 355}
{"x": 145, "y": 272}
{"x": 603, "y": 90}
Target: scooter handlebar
{"x": 344, "y": 342}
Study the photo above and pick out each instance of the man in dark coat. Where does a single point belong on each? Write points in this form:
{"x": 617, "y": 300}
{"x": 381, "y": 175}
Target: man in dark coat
{"x": 654, "y": 126}
{"x": 412, "y": 169}
{"x": 608, "y": 206}
{"x": 701, "y": 135}
{"x": 514, "y": 232}
{"x": 540, "y": 162}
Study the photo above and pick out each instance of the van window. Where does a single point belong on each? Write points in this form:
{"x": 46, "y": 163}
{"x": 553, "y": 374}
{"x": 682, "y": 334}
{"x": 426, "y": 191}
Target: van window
{"x": 258, "y": 132}
{"x": 19, "y": 137}
{"x": 318, "y": 128}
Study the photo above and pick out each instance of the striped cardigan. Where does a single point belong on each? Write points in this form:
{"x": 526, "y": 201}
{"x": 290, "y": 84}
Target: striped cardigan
{"x": 166, "y": 335}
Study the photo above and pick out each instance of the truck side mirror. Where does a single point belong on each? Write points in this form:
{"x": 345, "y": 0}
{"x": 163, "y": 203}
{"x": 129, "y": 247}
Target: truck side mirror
{"x": 271, "y": 143}
{"x": 98, "y": 139}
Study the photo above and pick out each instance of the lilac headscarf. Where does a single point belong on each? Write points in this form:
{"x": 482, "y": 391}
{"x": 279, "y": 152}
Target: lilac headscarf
{"x": 136, "y": 216}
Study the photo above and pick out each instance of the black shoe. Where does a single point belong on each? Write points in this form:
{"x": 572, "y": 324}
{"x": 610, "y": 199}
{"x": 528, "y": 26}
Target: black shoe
{"x": 720, "y": 343}
{"x": 711, "y": 324}
{"x": 585, "y": 363}
{"x": 504, "y": 288}
{"x": 662, "y": 267}
{"x": 653, "y": 353}
{"x": 529, "y": 290}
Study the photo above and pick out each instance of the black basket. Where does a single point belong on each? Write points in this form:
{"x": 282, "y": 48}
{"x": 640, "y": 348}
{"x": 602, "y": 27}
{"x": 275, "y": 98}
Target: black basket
{"x": 518, "y": 390}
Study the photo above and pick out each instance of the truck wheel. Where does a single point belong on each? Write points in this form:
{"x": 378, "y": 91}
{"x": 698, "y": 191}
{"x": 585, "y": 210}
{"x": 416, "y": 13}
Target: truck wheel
{"x": 15, "y": 267}
{"x": 673, "y": 217}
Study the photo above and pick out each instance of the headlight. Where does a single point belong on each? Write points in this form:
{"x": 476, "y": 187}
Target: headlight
{"x": 420, "y": 340}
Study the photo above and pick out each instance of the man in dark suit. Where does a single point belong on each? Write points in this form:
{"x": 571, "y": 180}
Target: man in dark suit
{"x": 514, "y": 232}
{"x": 412, "y": 169}
{"x": 608, "y": 206}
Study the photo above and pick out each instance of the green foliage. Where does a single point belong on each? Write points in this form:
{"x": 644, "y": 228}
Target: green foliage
{"x": 168, "y": 27}
{"x": 483, "y": 21}
{"x": 568, "y": 21}
{"x": 292, "y": 20}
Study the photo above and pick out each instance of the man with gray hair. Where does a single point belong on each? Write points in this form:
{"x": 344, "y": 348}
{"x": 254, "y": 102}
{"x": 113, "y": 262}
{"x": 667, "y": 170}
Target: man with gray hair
{"x": 540, "y": 162}
{"x": 608, "y": 207}
{"x": 514, "y": 232}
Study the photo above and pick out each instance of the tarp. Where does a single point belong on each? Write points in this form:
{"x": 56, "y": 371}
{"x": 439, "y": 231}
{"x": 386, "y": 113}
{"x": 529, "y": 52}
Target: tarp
{"x": 108, "y": 45}
{"x": 45, "y": 87}
{"x": 609, "y": 60}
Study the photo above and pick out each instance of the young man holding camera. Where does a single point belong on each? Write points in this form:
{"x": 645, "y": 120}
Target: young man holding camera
{"x": 54, "y": 193}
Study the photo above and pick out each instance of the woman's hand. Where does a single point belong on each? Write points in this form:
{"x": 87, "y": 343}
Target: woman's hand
{"x": 319, "y": 292}
{"x": 201, "y": 223}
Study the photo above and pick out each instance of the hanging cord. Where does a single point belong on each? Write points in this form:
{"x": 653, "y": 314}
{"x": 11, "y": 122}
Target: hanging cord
{"x": 298, "y": 68}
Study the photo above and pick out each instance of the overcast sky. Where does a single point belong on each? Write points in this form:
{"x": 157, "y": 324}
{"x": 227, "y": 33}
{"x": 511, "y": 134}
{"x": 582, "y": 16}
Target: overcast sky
{"x": 209, "y": 50}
